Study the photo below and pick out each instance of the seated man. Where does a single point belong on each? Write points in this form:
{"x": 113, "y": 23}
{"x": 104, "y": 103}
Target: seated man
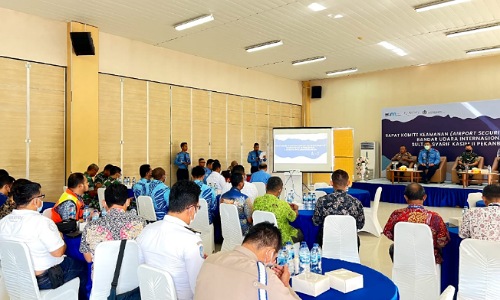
{"x": 240, "y": 269}
{"x": 159, "y": 193}
{"x": 207, "y": 192}
{"x": 249, "y": 188}
{"x": 467, "y": 160}
{"x": 215, "y": 178}
{"x": 416, "y": 213}
{"x": 141, "y": 187}
{"x": 338, "y": 203}
{"x": 114, "y": 176}
{"x": 70, "y": 205}
{"x": 9, "y": 204}
{"x": 118, "y": 224}
{"x": 101, "y": 177}
{"x": 172, "y": 246}
{"x": 403, "y": 157}
{"x": 26, "y": 224}
{"x": 261, "y": 175}
{"x": 284, "y": 212}
{"x": 484, "y": 223}
{"x": 428, "y": 161}
{"x": 90, "y": 197}
{"x": 6, "y": 182}
{"x": 242, "y": 202}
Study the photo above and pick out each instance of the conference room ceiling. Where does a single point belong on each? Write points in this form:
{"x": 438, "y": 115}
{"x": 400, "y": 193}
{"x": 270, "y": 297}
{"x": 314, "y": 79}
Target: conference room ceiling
{"x": 347, "y": 42}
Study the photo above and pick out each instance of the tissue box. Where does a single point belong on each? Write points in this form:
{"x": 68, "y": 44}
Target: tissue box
{"x": 312, "y": 284}
{"x": 344, "y": 280}
{"x": 455, "y": 221}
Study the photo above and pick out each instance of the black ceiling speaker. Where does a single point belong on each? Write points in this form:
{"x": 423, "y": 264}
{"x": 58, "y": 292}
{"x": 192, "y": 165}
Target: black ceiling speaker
{"x": 316, "y": 92}
{"x": 82, "y": 43}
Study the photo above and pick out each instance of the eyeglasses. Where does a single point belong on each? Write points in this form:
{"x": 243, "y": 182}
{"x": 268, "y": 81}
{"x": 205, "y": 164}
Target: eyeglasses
{"x": 39, "y": 196}
{"x": 196, "y": 206}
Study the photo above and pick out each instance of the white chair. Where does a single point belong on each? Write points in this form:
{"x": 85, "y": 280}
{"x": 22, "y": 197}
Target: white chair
{"x": 372, "y": 225}
{"x": 100, "y": 197}
{"x": 48, "y": 213}
{"x": 319, "y": 185}
{"x": 231, "y": 228}
{"x": 340, "y": 240}
{"x": 201, "y": 224}
{"x": 479, "y": 270}
{"x": 318, "y": 194}
{"x": 415, "y": 272}
{"x": 19, "y": 276}
{"x": 448, "y": 293}
{"x": 105, "y": 256}
{"x": 156, "y": 284}
{"x": 146, "y": 208}
{"x": 260, "y": 216}
{"x": 473, "y": 198}
{"x": 65, "y": 187}
{"x": 3, "y": 289}
{"x": 261, "y": 188}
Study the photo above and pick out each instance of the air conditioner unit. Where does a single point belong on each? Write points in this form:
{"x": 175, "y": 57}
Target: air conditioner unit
{"x": 372, "y": 151}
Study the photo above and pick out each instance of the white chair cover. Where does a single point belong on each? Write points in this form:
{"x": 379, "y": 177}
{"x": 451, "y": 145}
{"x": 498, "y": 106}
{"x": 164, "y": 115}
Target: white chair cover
{"x": 201, "y": 224}
{"x": 479, "y": 270}
{"x": 156, "y": 284}
{"x": 414, "y": 271}
{"x": 100, "y": 197}
{"x": 318, "y": 194}
{"x": 340, "y": 239}
{"x": 19, "y": 276}
{"x": 106, "y": 254}
{"x": 372, "y": 225}
{"x": 319, "y": 185}
{"x": 3, "y": 289}
{"x": 260, "y": 216}
{"x": 472, "y": 199}
{"x": 448, "y": 293}
{"x": 48, "y": 213}
{"x": 231, "y": 228}
{"x": 261, "y": 188}
{"x": 146, "y": 208}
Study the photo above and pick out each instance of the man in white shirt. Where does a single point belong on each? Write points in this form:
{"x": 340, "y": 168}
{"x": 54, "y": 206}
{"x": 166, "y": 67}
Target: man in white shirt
{"x": 25, "y": 224}
{"x": 215, "y": 178}
{"x": 172, "y": 246}
{"x": 249, "y": 189}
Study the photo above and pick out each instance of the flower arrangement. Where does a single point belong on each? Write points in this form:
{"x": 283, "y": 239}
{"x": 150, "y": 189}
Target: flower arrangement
{"x": 361, "y": 163}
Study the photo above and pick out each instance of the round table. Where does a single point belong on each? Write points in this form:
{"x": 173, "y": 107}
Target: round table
{"x": 376, "y": 286}
{"x": 361, "y": 195}
{"x": 305, "y": 224}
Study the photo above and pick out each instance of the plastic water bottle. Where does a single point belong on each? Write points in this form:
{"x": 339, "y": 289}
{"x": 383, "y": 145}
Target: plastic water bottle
{"x": 103, "y": 213}
{"x": 304, "y": 258}
{"x": 316, "y": 259}
{"x": 133, "y": 181}
{"x": 86, "y": 213}
{"x": 72, "y": 213}
{"x": 313, "y": 201}
{"x": 95, "y": 215}
{"x": 304, "y": 198}
{"x": 309, "y": 201}
{"x": 489, "y": 169}
{"x": 282, "y": 256}
{"x": 291, "y": 257}
{"x": 465, "y": 209}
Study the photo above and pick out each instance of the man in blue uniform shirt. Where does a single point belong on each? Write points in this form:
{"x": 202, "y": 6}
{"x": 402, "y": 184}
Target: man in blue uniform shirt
{"x": 208, "y": 169}
{"x": 254, "y": 158}
{"x": 261, "y": 175}
{"x": 141, "y": 188}
{"x": 207, "y": 192}
{"x": 182, "y": 160}
{"x": 159, "y": 193}
{"x": 428, "y": 160}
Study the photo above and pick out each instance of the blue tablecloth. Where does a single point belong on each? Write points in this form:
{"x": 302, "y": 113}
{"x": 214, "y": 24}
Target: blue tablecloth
{"x": 361, "y": 195}
{"x": 73, "y": 251}
{"x": 304, "y": 223}
{"x": 376, "y": 286}
{"x": 480, "y": 203}
{"x": 451, "y": 254}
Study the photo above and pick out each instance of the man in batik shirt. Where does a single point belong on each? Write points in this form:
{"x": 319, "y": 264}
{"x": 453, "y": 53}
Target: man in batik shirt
{"x": 416, "y": 213}
{"x": 338, "y": 203}
{"x": 207, "y": 192}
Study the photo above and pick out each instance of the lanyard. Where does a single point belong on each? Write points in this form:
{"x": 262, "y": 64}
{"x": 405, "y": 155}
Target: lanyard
{"x": 262, "y": 279}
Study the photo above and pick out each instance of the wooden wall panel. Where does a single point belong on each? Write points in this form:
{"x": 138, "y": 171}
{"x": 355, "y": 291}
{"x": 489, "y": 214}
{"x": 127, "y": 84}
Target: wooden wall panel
{"x": 159, "y": 127}
{"x": 181, "y": 124}
{"x": 134, "y": 126}
{"x": 218, "y": 128}
{"x": 13, "y": 116}
{"x": 201, "y": 126}
{"x": 249, "y": 126}
{"x": 234, "y": 122}
{"x": 109, "y": 120}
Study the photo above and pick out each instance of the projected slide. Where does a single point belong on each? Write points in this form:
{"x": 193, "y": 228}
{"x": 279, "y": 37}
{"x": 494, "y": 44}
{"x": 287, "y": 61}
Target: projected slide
{"x": 304, "y": 149}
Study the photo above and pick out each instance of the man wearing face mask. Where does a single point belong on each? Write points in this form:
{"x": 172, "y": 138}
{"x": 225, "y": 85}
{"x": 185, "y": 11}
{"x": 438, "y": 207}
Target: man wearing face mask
{"x": 468, "y": 159}
{"x": 428, "y": 161}
{"x": 170, "y": 244}
{"x": 246, "y": 269}
{"x": 46, "y": 247}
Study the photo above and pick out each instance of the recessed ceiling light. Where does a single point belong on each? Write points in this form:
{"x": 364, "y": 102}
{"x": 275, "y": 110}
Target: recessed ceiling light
{"x": 194, "y": 22}
{"x": 437, "y": 4}
{"x": 475, "y": 29}
{"x": 421, "y": 65}
{"x": 483, "y": 50}
{"x": 308, "y": 60}
{"x": 393, "y": 48}
{"x": 316, "y": 7}
{"x": 263, "y": 46}
{"x": 338, "y": 16}
{"x": 340, "y": 72}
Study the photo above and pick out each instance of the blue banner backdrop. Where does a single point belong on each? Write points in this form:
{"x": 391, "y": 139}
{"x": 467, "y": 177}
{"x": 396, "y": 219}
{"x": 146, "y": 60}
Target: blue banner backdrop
{"x": 448, "y": 126}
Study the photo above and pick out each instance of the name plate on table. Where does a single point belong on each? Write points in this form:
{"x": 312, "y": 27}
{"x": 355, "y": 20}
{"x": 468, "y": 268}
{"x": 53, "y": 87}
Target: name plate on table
{"x": 311, "y": 284}
{"x": 345, "y": 281}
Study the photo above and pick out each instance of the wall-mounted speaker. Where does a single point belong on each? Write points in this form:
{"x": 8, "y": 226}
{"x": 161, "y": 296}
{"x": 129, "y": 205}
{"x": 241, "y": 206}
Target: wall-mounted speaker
{"x": 316, "y": 92}
{"x": 82, "y": 43}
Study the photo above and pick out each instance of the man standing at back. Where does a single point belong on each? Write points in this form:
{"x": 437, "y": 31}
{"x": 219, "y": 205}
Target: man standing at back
{"x": 416, "y": 213}
{"x": 172, "y": 246}
{"x": 254, "y": 158}
{"x": 141, "y": 187}
{"x": 159, "y": 193}
{"x": 182, "y": 161}
{"x": 338, "y": 203}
